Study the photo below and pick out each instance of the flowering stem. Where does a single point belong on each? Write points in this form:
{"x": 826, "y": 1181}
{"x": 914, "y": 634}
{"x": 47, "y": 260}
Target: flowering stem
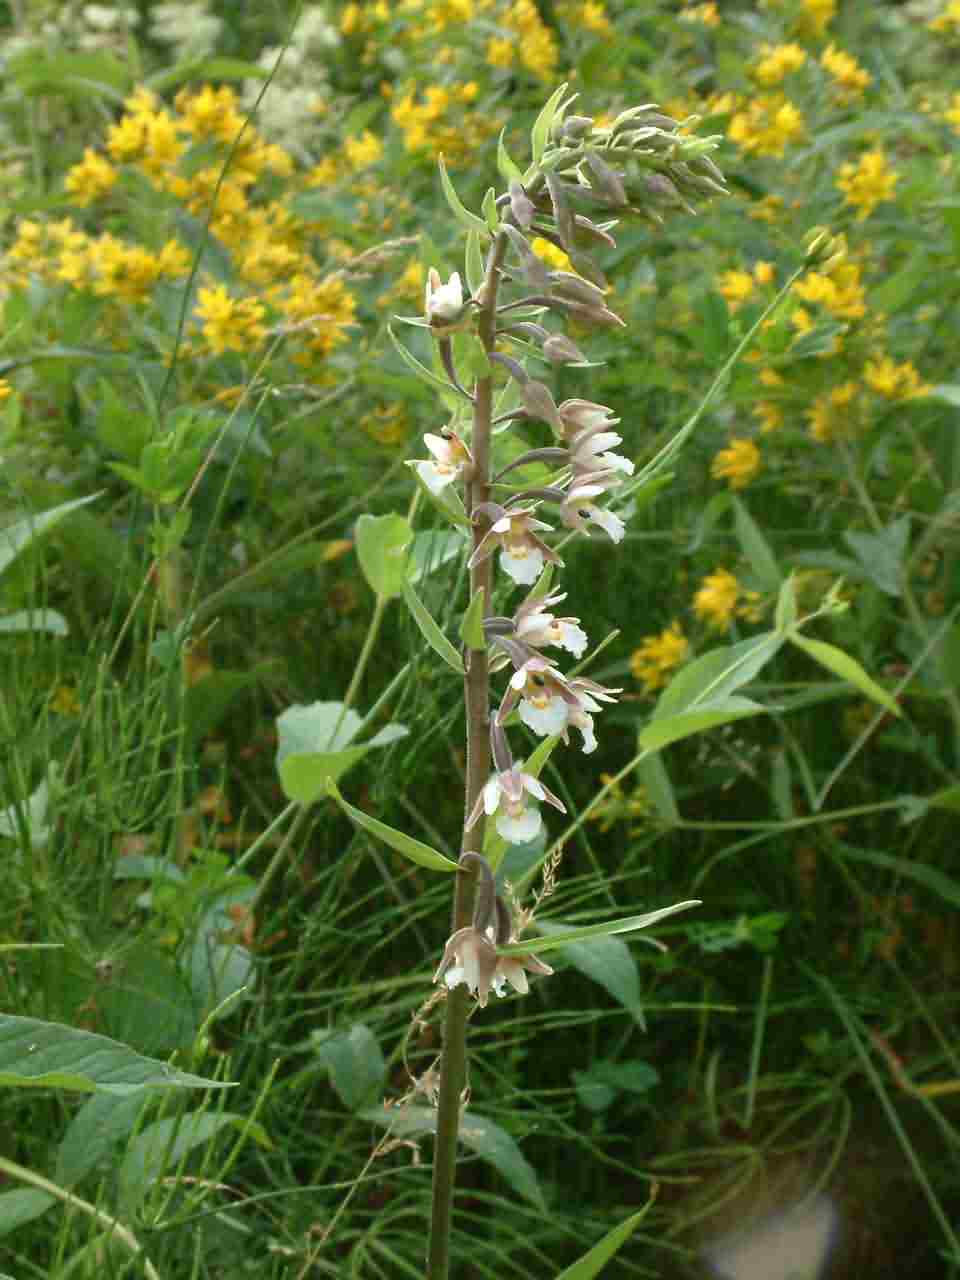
{"x": 453, "y": 1058}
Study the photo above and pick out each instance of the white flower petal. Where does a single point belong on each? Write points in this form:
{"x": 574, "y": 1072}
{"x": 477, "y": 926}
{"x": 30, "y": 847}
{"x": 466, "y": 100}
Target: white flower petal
{"x": 525, "y": 569}
{"x": 609, "y": 523}
{"x": 545, "y": 720}
{"x": 491, "y": 796}
{"x": 436, "y": 478}
{"x": 520, "y": 829}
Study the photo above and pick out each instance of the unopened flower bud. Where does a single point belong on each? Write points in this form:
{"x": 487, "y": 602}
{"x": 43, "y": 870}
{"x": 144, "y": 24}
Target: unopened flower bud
{"x": 521, "y": 205}
{"x": 444, "y": 304}
{"x": 560, "y": 350}
{"x": 573, "y": 128}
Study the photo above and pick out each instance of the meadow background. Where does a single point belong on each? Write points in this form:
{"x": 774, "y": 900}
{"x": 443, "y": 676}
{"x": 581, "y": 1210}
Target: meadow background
{"x": 209, "y": 214}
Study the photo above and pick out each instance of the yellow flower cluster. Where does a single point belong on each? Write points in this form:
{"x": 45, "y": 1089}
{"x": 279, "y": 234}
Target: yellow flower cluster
{"x": 551, "y": 254}
{"x": 6, "y": 390}
{"x": 708, "y": 14}
{"x": 777, "y": 62}
{"x": 531, "y": 40}
{"x": 738, "y": 463}
{"x": 948, "y": 22}
{"x": 952, "y": 114}
{"x": 867, "y": 183}
{"x": 425, "y": 127}
{"x": 229, "y": 324}
{"x": 894, "y": 381}
{"x": 737, "y": 287}
{"x": 658, "y": 655}
{"x": 91, "y": 179}
{"x": 841, "y": 293}
{"x": 767, "y": 126}
{"x": 720, "y": 598}
{"x": 833, "y": 414}
{"x": 816, "y": 15}
{"x": 847, "y": 73}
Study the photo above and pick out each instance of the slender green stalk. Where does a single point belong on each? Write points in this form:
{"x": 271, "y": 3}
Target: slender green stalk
{"x": 453, "y": 1058}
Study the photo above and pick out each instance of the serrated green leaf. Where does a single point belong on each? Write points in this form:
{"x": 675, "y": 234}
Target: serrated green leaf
{"x": 471, "y": 624}
{"x": 382, "y": 543}
{"x": 413, "y": 849}
{"x": 509, "y": 170}
{"x": 463, "y": 215}
{"x": 847, "y": 668}
{"x": 35, "y": 1054}
{"x": 315, "y": 744}
{"x": 488, "y": 1140}
{"x": 564, "y": 936}
{"x": 430, "y": 631}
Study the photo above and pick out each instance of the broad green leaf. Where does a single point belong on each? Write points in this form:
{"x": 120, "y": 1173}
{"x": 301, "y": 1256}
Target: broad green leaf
{"x": 426, "y": 375}
{"x": 431, "y": 631}
{"x": 473, "y": 262}
{"x": 471, "y": 624}
{"x": 22, "y": 1206}
{"x": 881, "y": 554}
{"x": 598, "y": 1086}
{"x": 355, "y": 1062}
{"x": 207, "y": 69}
{"x": 413, "y": 849}
{"x": 920, "y": 872}
{"x": 564, "y": 936}
{"x": 102, "y": 1121}
{"x": 315, "y": 744}
{"x": 382, "y": 543}
{"x": 847, "y": 668}
{"x": 430, "y": 550}
{"x": 756, "y": 548}
{"x": 607, "y": 961}
{"x": 540, "y": 133}
{"x": 717, "y": 674}
{"x": 21, "y": 533}
{"x": 463, "y": 215}
{"x": 509, "y": 170}
{"x": 660, "y": 733}
{"x": 590, "y": 1265}
{"x": 35, "y": 1054}
{"x": 652, "y": 773}
{"x": 489, "y": 208}
{"x": 160, "y": 1148}
{"x": 31, "y": 817}
{"x": 488, "y": 1140}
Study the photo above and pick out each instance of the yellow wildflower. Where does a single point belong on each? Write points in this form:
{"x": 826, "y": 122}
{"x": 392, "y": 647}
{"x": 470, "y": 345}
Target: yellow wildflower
{"x": 738, "y": 463}
{"x": 768, "y": 209}
{"x": 537, "y": 43}
{"x": 92, "y": 178}
{"x": 161, "y": 146}
{"x": 125, "y": 140}
{"x": 768, "y": 125}
{"x": 847, "y": 73}
{"x": 323, "y": 174}
{"x": 321, "y": 309}
{"x": 894, "y": 381}
{"x": 818, "y": 14}
{"x": 363, "y": 151}
{"x": 763, "y": 272}
{"x": 716, "y": 600}
{"x": 593, "y": 17}
{"x": 658, "y": 655}
{"x": 499, "y": 53}
{"x": 832, "y": 413}
{"x": 707, "y": 13}
{"x": 770, "y": 415}
{"x": 841, "y": 292}
{"x": 65, "y": 701}
{"x": 770, "y": 378}
{"x": 777, "y": 62}
{"x": 128, "y": 272}
{"x": 736, "y": 287}
{"x": 210, "y": 113}
{"x": 229, "y": 324}
{"x": 952, "y": 114}
{"x": 551, "y": 254}
{"x": 6, "y": 391}
{"x": 868, "y": 183}
{"x": 949, "y": 20}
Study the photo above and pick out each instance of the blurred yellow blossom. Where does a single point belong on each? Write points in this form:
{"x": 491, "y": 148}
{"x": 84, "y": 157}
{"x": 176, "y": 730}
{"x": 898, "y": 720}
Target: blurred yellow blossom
{"x": 738, "y": 463}
{"x": 499, "y": 52}
{"x": 952, "y": 114}
{"x": 658, "y": 655}
{"x": 867, "y": 183}
{"x": 949, "y": 20}
{"x": 210, "y": 113}
{"x": 894, "y": 381}
{"x": 832, "y": 413}
{"x": 6, "y": 391}
{"x": 65, "y": 701}
{"x": 363, "y": 151}
{"x": 777, "y": 62}
{"x": 720, "y": 598}
{"x": 707, "y": 13}
{"x": 229, "y": 324}
{"x": 92, "y": 178}
{"x": 736, "y": 288}
{"x": 769, "y": 414}
{"x": 767, "y": 126}
{"x": 841, "y": 292}
{"x": 537, "y": 44}
{"x": 551, "y": 254}
{"x": 847, "y": 73}
{"x": 816, "y": 15}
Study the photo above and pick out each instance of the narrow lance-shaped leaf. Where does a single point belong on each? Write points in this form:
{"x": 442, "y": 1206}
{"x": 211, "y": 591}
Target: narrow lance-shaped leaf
{"x": 489, "y": 208}
{"x": 413, "y": 849}
{"x": 629, "y": 924}
{"x": 463, "y": 215}
{"x": 509, "y": 170}
{"x": 471, "y": 625}
{"x": 430, "y": 631}
{"x": 473, "y": 262}
{"x": 540, "y": 133}
{"x": 847, "y": 668}
{"x": 426, "y": 375}
{"x": 591, "y": 1264}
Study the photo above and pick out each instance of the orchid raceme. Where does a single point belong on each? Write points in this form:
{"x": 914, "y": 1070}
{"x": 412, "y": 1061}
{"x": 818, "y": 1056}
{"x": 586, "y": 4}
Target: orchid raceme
{"x": 529, "y": 274}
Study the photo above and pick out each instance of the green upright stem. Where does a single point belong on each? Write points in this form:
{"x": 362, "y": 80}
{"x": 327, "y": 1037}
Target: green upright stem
{"x": 453, "y": 1057}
